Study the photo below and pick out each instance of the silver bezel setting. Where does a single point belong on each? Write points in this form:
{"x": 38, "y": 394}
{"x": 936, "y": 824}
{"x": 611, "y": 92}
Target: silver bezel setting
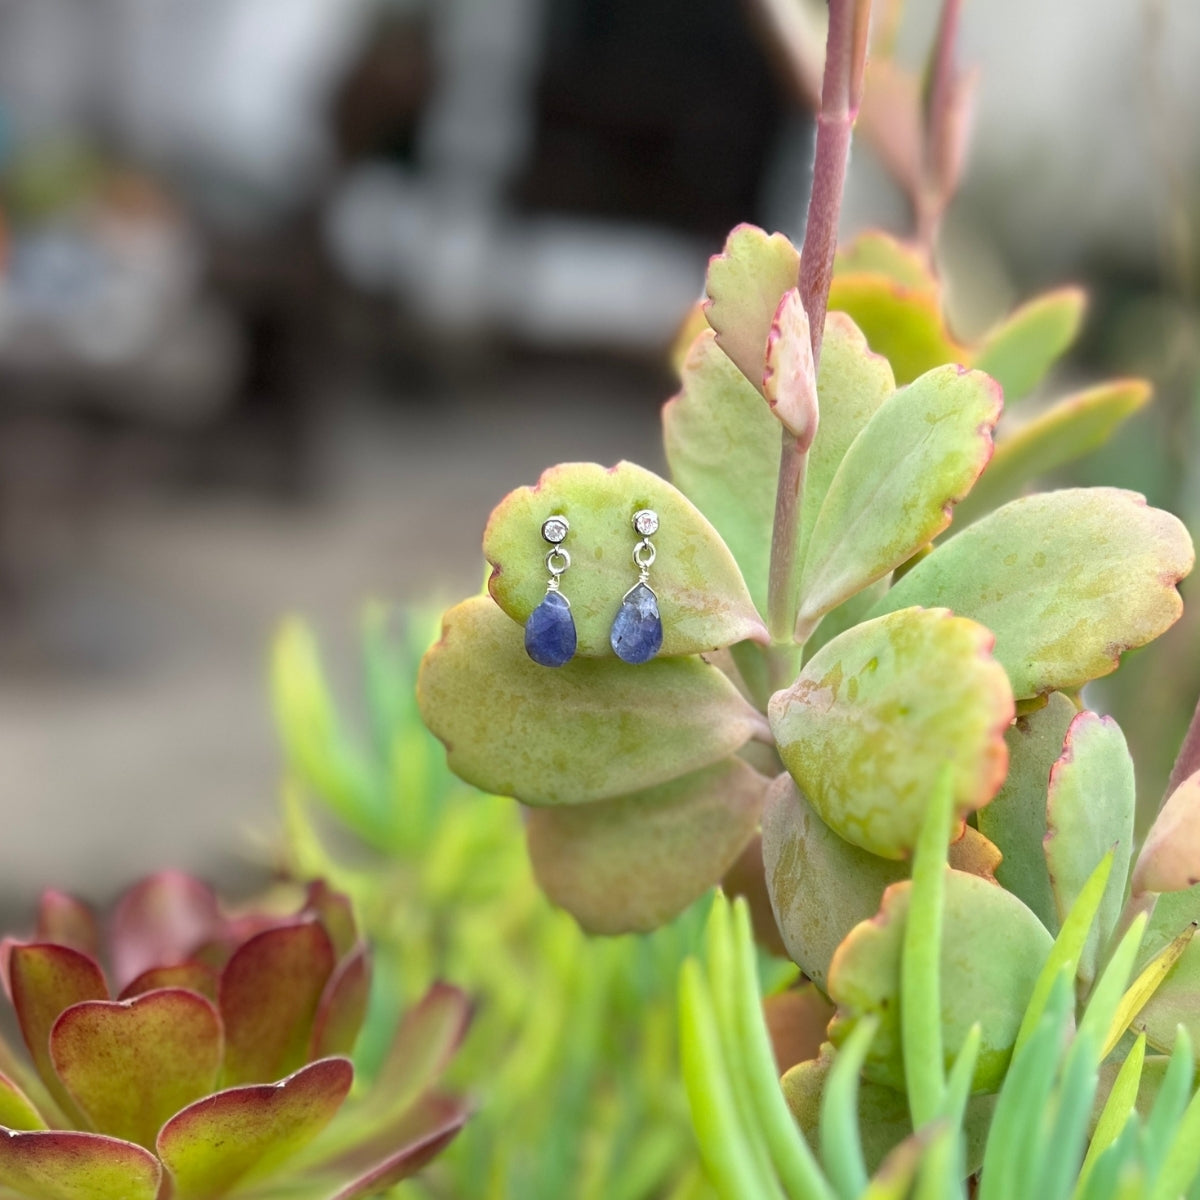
{"x": 555, "y": 529}
{"x": 645, "y": 522}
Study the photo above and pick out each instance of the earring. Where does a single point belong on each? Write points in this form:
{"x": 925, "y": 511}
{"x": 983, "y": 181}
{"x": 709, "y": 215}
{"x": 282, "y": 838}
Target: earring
{"x": 550, "y": 630}
{"x": 637, "y": 632}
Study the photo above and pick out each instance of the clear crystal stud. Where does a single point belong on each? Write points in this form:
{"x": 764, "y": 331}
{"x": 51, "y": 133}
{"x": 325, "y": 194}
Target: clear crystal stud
{"x": 555, "y": 529}
{"x": 645, "y": 522}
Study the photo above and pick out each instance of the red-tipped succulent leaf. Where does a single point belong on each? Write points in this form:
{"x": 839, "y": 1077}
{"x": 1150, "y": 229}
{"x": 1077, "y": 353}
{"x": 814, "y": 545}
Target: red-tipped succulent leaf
{"x": 223, "y": 1057}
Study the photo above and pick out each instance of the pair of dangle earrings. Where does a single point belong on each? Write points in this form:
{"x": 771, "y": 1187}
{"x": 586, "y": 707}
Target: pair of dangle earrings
{"x": 637, "y": 632}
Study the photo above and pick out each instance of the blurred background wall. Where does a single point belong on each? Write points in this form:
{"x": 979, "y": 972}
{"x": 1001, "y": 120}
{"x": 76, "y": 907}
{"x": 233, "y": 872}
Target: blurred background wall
{"x": 293, "y": 291}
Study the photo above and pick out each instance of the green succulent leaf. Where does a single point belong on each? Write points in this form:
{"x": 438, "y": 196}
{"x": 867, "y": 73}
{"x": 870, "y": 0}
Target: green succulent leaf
{"x": 1169, "y": 860}
{"x": 1016, "y": 819}
{"x": 269, "y": 993}
{"x": 882, "y": 1113}
{"x": 821, "y": 886}
{"x": 1067, "y": 581}
{"x": 1070, "y": 429}
{"x": 1021, "y": 349}
{"x": 894, "y": 491}
{"x": 746, "y": 282}
{"x": 904, "y": 324}
{"x": 992, "y": 951}
{"x": 591, "y": 730}
{"x": 701, "y": 593}
{"x": 245, "y": 1133}
{"x": 130, "y": 1065}
{"x": 58, "y": 1165}
{"x": 1090, "y": 810}
{"x": 44, "y": 980}
{"x": 17, "y": 1111}
{"x": 875, "y": 714}
{"x": 343, "y": 1007}
{"x": 635, "y": 862}
{"x": 1177, "y": 999}
{"x": 722, "y": 442}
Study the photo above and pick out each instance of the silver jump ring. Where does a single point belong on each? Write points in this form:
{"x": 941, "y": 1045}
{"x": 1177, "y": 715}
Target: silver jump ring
{"x": 557, "y": 561}
{"x": 644, "y": 554}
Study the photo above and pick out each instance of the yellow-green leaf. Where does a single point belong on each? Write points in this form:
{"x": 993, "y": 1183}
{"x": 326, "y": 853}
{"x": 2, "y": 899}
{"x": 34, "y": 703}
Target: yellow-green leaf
{"x": 723, "y": 444}
{"x": 1068, "y": 430}
{"x": 1067, "y": 581}
{"x": 992, "y": 951}
{"x": 701, "y": 594}
{"x": 1016, "y": 819}
{"x": 874, "y": 715}
{"x": 591, "y": 730}
{"x": 1089, "y": 811}
{"x": 746, "y": 281}
{"x": 635, "y": 862}
{"x": 1028, "y": 342}
{"x": 918, "y": 455}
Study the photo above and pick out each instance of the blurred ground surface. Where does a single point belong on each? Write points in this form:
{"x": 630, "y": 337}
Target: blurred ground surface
{"x": 134, "y": 722}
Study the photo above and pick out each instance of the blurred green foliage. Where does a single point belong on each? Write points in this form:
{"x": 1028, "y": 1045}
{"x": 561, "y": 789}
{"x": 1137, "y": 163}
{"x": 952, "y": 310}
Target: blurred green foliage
{"x": 572, "y": 1055}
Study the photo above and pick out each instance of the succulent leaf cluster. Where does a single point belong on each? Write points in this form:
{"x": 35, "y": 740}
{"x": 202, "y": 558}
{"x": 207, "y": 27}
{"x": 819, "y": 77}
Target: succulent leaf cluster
{"x": 194, "y": 1055}
{"x": 833, "y": 646}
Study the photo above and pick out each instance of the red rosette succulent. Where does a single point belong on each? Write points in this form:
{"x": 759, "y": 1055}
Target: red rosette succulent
{"x": 211, "y": 1058}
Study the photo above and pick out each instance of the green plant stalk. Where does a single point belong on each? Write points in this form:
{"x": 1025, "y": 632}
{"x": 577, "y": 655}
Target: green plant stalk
{"x": 841, "y": 1145}
{"x": 1116, "y": 1111}
{"x": 841, "y": 94}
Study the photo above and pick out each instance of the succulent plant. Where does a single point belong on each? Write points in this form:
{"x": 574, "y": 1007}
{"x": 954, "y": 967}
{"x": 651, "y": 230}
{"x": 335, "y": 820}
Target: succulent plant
{"x": 831, "y": 648}
{"x": 211, "y": 1058}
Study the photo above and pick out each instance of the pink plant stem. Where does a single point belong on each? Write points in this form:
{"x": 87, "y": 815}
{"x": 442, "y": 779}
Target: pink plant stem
{"x": 841, "y": 92}
{"x": 939, "y": 136}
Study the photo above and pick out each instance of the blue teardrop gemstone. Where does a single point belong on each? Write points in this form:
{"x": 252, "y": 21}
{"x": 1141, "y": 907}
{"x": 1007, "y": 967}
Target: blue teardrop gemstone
{"x": 550, "y": 632}
{"x": 637, "y": 633}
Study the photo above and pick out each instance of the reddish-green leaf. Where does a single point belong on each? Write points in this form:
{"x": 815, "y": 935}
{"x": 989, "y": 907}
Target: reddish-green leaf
{"x": 160, "y": 922}
{"x": 875, "y": 715}
{"x": 408, "y": 1159}
{"x": 635, "y": 862}
{"x": 1066, "y": 581}
{"x": 195, "y": 976}
{"x": 1019, "y": 351}
{"x": 336, "y": 913}
{"x": 746, "y": 281}
{"x": 877, "y": 253}
{"x": 45, "y": 980}
{"x": 68, "y": 922}
{"x": 426, "y": 1040}
{"x": 701, "y": 593}
{"x": 789, "y": 377}
{"x": 269, "y": 993}
{"x": 130, "y": 1065}
{"x": 54, "y": 1165}
{"x": 343, "y": 1007}
{"x": 590, "y": 730}
{"x": 1170, "y": 857}
{"x": 247, "y": 1133}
